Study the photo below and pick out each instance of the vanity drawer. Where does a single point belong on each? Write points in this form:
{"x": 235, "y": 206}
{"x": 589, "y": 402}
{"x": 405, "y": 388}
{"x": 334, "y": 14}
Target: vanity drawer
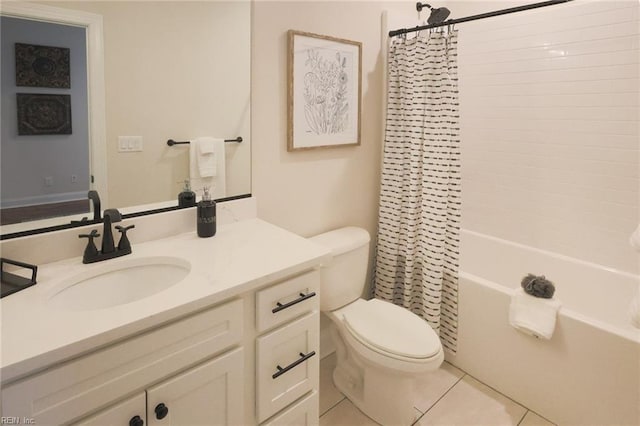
{"x": 305, "y": 412}
{"x": 287, "y": 300}
{"x": 70, "y": 390}
{"x": 287, "y": 364}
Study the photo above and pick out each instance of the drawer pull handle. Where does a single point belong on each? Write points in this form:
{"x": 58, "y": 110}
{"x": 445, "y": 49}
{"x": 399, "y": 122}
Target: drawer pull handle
{"x": 295, "y": 363}
{"x": 302, "y": 298}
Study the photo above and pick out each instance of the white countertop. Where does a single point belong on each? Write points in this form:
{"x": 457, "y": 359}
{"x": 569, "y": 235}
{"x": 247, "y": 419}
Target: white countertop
{"x": 242, "y": 256}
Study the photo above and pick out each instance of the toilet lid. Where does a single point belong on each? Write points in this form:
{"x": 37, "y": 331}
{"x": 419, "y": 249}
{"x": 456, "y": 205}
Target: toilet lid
{"x": 393, "y": 329}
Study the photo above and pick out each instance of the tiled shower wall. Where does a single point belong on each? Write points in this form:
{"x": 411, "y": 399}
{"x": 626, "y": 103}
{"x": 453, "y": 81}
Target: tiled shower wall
{"x": 550, "y": 125}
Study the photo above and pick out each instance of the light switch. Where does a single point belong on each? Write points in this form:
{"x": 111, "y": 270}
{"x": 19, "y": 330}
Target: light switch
{"x": 135, "y": 143}
{"x": 129, "y": 143}
{"x": 123, "y": 143}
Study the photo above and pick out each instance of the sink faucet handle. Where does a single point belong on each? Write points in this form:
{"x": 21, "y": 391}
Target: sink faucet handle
{"x": 124, "y": 243}
{"x": 79, "y": 222}
{"x": 91, "y": 251}
{"x": 91, "y": 235}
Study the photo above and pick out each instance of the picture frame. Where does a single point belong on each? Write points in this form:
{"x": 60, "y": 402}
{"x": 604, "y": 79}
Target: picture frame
{"x": 43, "y": 66}
{"x": 324, "y": 91}
{"x": 43, "y": 114}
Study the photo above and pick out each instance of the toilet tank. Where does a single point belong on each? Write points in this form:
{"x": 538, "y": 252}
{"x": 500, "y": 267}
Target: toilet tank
{"x": 343, "y": 279}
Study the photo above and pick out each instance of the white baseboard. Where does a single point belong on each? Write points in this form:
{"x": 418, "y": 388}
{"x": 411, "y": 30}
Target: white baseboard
{"x": 45, "y": 199}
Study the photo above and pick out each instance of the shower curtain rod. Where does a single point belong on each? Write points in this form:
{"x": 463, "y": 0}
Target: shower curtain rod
{"x": 480, "y": 16}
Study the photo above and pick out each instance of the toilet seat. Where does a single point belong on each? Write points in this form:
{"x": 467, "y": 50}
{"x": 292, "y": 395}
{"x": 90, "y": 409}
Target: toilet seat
{"x": 391, "y": 330}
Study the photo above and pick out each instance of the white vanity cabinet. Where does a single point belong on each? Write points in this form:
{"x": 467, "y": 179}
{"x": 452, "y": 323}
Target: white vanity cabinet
{"x": 192, "y": 370}
{"x": 236, "y": 342}
{"x": 208, "y": 394}
{"x": 165, "y": 361}
{"x": 288, "y": 351}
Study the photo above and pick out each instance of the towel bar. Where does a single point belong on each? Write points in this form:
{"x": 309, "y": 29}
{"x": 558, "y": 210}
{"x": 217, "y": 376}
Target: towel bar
{"x": 171, "y": 142}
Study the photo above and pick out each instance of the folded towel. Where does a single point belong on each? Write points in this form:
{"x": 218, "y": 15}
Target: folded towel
{"x": 207, "y": 152}
{"x": 206, "y": 145}
{"x": 634, "y": 310}
{"x": 216, "y": 179}
{"x": 533, "y": 315}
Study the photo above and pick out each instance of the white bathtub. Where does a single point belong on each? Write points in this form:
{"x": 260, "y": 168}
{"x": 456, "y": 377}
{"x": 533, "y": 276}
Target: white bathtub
{"x": 589, "y": 372}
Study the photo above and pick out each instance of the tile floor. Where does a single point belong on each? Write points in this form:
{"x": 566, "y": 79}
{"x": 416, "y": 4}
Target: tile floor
{"x": 449, "y": 397}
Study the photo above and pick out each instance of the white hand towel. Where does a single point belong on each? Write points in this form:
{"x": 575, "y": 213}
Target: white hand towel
{"x": 206, "y": 145}
{"x": 216, "y": 183}
{"x": 533, "y": 315}
{"x": 208, "y": 151}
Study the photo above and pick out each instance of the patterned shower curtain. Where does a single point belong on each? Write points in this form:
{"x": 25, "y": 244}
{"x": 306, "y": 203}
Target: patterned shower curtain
{"x": 419, "y": 214}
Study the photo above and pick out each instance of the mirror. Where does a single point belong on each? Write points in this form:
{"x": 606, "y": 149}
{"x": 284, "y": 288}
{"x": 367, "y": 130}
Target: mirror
{"x": 172, "y": 70}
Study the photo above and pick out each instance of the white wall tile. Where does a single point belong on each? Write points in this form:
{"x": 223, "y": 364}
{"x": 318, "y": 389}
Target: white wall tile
{"x": 550, "y": 113}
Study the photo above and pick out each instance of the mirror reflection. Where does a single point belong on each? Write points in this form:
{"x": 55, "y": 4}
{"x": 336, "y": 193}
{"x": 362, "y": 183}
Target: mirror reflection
{"x": 172, "y": 70}
{"x": 45, "y": 136}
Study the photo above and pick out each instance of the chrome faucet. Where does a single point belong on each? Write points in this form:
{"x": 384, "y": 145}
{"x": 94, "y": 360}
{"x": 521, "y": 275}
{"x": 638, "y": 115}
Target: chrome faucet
{"x": 109, "y": 249}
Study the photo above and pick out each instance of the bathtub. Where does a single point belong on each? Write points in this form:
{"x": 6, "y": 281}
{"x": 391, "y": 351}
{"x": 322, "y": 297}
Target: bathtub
{"x": 588, "y": 373}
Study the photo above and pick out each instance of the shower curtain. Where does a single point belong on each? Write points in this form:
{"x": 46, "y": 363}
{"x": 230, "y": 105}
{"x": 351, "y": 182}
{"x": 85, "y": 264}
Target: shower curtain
{"x": 419, "y": 214}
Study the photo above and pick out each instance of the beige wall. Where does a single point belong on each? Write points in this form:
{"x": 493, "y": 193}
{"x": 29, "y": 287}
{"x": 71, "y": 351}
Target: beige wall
{"x": 310, "y": 192}
{"x": 314, "y": 191}
{"x": 173, "y": 70}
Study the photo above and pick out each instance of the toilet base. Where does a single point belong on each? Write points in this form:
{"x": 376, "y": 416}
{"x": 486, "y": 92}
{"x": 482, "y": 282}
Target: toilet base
{"x": 384, "y": 395}
{"x": 385, "y": 399}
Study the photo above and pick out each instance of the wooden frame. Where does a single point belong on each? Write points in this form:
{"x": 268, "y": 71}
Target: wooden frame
{"x": 324, "y": 91}
{"x": 43, "y": 66}
{"x": 44, "y": 114}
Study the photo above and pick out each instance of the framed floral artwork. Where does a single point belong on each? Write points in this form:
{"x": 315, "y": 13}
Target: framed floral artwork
{"x": 324, "y": 91}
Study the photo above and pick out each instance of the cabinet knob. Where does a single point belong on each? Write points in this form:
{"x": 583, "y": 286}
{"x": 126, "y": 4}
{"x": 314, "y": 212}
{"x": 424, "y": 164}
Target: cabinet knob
{"x": 161, "y": 411}
{"x": 136, "y": 421}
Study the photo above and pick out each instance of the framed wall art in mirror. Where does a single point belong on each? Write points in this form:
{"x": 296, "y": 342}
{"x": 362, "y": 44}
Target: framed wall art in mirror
{"x": 48, "y": 160}
{"x": 43, "y": 66}
{"x": 44, "y": 114}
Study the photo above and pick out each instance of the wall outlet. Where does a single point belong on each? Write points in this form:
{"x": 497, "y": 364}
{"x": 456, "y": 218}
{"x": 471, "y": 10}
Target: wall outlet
{"x": 48, "y": 181}
{"x": 74, "y": 178}
{"x": 129, "y": 143}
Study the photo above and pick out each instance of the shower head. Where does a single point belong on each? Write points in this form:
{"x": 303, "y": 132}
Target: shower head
{"x": 437, "y": 16}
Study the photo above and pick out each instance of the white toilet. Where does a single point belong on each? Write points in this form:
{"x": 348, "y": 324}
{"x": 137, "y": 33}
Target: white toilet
{"x": 381, "y": 348}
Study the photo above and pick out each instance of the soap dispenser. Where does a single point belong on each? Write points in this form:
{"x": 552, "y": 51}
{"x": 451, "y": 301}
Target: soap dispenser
{"x": 206, "y": 215}
{"x": 187, "y": 198}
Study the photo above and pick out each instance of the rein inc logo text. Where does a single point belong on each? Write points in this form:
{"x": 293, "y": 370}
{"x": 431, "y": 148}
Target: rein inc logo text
{"x": 15, "y": 420}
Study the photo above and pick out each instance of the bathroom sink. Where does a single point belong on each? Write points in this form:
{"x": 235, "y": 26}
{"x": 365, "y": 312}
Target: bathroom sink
{"x": 126, "y": 281}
